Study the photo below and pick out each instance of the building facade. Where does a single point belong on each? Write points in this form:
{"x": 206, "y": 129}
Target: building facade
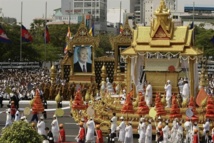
{"x": 96, "y": 8}
{"x": 144, "y": 9}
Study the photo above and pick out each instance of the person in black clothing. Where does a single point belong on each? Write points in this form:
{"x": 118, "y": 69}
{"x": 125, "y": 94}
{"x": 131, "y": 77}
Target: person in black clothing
{"x": 45, "y": 105}
{"x": 110, "y": 137}
{"x": 206, "y": 138}
{"x": 1, "y": 100}
{"x": 49, "y": 135}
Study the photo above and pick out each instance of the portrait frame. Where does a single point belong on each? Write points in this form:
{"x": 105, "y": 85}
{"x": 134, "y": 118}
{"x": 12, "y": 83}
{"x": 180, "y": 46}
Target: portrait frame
{"x": 83, "y": 56}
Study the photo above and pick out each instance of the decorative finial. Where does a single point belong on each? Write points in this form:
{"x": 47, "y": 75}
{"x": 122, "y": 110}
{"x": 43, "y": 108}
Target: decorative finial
{"x": 103, "y": 73}
{"x": 162, "y": 8}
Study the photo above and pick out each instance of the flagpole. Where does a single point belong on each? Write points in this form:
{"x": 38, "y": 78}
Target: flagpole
{"x": 193, "y": 20}
{"x": 21, "y": 33}
{"x": 69, "y": 13}
{"x": 45, "y": 32}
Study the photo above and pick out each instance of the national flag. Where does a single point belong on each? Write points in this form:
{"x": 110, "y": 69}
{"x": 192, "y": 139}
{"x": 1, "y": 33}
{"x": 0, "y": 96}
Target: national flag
{"x": 91, "y": 31}
{"x": 47, "y": 35}
{"x": 121, "y": 29}
{"x": 66, "y": 49}
{"x": 69, "y": 36}
{"x": 212, "y": 40}
{"x": 26, "y": 37}
{"x": 3, "y": 36}
{"x": 191, "y": 26}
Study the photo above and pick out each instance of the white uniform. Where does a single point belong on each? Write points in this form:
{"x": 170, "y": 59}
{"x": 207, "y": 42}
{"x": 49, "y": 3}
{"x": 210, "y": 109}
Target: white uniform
{"x": 142, "y": 132}
{"x": 8, "y": 118}
{"x": 148, "y": 97}
{"x": 148, "y": 134}
{"x": 121, "y": 129}
{"x": 185, "y": 92}
{"x": 113, "y": 124}
{"x": 206, "y": 127}
{"x": 17, "y": 116}
{"x": 128, "y": 134}
{"x": 188, "y": 128}
{"x": 174, "y": 130}
{"x": 166, "y": 134}
{"x": 41, "y": 128}
{"x": 90, "y": 131}
{"x": 179, "y": 135}
{"x": 168, "y": 89}
{"x": 55, "y": 129}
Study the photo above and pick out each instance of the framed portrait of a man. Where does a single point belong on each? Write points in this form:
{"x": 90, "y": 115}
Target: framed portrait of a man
{"x": 82, "y": 59}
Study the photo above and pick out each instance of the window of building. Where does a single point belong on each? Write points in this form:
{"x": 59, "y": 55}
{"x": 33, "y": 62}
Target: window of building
{"x": 78, "y": 4}
{"x": 87, "y": 4}
{"x": 174, "y": 17}
{"x": 87, "y": 11}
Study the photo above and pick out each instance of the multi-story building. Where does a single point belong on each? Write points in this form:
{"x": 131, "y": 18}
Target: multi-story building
{"x": 144, "y": 9}
{"x": 96, "y": 8}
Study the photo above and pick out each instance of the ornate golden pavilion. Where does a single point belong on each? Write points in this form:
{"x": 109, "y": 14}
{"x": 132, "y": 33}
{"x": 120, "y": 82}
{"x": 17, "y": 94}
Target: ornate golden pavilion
{"x": 161, "y": 39}
{"x": 159, "y": 50}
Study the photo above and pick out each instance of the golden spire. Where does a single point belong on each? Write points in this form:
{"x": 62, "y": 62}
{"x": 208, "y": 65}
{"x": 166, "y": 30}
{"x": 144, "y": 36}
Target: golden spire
{"x": 53, "y": 74}
{"x": 162, "y": 26}
{"x": 162, "y": 8}
{"x": 103, "y": 73}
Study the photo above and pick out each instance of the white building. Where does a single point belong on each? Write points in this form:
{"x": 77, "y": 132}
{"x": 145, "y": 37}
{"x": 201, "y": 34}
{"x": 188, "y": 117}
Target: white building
{"x": 144, "y": 9}
{"x": 113, "y": 15}
{"x": 96, "y": 8}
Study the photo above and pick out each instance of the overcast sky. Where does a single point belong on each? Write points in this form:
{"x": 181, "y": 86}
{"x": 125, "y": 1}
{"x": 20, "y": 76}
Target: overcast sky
{"x": 36, "y": 8}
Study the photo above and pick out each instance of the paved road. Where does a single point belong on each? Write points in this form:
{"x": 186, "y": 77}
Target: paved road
{"x": 70, "y": 126}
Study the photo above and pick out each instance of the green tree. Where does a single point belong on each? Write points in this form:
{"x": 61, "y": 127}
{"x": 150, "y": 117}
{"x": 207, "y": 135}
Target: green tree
{"x": 104, "y": 45}
{"x": 203, "y": 40}
{"x": 20, "y": 132}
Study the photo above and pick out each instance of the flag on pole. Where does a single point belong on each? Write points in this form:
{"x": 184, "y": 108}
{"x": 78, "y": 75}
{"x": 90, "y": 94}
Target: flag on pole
{"x": 121, "y": 29}
{"x": 47, "y": 35}
{"x": 26, "y": 37}
{"x": 69, "y": 36}
{"x": 91, "y": 31}
{"x": 191, "y": 26}
{"x": 3, "y": 36}
{"x": 212, "y": 40}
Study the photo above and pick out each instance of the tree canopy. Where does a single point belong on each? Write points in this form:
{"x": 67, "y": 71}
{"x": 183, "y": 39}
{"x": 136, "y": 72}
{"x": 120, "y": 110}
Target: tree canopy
{"x": 20, "y": 132}
{"x": 52, "y": 51}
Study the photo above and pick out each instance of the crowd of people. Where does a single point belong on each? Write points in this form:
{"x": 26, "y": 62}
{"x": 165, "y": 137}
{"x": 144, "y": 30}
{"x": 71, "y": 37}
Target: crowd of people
{"x": 164, "y": 134}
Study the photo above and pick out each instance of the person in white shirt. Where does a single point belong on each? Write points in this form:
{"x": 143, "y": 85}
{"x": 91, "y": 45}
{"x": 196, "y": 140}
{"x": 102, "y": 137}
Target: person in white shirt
{"x": 188, "y": 128}
{"x": 148, "y": 134}
{"x": 90, "y": 130}
{"x": 206, "y": 126}
{"x": 141, "y": 130}
{"x": 41, "y": 126}
{"x": 55, "y": 128}
{"x": 166, "y": 132}
{"x": 168, "y": 89}
{"x": 8, "y": 118}
{"x": 114, "y": 124}
{"x": 148, "y": 95}
{"x": 121, "y": 129}
{"x": 17, "y": 115}
{"x": 185, "y": 91}
{"x": 179, "y": 135}
{"x": 128, "y": 133}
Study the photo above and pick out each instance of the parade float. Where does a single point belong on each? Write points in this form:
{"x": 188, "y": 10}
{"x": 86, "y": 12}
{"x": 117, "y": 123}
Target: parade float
{"x": 158, "y": 53}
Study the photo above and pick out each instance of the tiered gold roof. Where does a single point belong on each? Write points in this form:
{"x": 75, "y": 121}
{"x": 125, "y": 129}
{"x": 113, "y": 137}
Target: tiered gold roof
{"x": 162, "y": 36}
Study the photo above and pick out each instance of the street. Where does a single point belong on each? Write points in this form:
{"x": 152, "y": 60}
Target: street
{"x": 71, "y": 127}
